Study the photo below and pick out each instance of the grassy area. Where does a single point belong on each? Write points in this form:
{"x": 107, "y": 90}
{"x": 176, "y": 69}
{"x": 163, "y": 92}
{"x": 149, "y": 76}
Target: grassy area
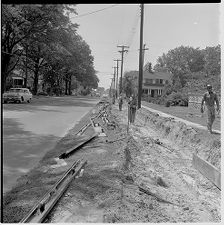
{"x": 192, "y": 115}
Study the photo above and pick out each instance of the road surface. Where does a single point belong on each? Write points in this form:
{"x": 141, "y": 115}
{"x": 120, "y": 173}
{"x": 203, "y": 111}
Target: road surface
{"x": 30, "y": 130}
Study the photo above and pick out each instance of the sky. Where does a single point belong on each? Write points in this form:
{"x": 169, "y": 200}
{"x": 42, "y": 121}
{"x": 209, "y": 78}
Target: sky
{"x": 165, "y": 27}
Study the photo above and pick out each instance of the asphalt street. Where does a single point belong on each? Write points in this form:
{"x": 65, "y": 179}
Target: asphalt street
{"x": 32, "y": 129}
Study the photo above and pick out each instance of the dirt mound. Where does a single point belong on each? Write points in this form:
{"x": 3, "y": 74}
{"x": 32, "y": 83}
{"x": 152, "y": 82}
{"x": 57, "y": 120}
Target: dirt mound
{"x": 206, "y": 145}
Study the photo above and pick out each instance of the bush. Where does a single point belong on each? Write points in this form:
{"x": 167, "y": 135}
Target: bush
{"x": 167, "y": 104}
{"x": 42, "y": 93}
{"x": 178, "y": 99}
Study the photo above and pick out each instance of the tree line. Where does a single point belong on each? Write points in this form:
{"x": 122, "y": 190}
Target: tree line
{"x": 191, "y": 69}
{"x": 41, "y": 41}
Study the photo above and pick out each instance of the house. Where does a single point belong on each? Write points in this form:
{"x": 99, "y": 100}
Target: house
{"x": 17, "y": 81}
{"x": 153, "y": 83}
{"x": 14, "y": 80}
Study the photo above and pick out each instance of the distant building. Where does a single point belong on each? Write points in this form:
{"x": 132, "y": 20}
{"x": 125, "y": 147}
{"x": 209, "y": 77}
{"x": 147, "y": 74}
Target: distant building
{"x": 153, "y": 83}
{"x": 15, "y": 80}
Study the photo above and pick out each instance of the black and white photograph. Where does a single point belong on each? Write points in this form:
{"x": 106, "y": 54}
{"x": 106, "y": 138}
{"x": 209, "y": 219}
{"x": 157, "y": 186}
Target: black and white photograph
{"x": 111, "y": 113}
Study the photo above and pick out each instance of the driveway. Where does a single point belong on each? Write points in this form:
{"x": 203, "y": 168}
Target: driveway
{"x": 30, "y": 130}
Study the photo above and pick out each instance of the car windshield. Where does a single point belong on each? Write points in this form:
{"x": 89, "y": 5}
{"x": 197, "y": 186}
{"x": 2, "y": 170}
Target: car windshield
{"x": 16, "y": 90}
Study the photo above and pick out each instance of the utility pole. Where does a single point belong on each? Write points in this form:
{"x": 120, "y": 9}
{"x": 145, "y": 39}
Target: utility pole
{"x": 114, "y": 77}
{"x": 140, "y": 58}
{"x": 117, "y": 91}
{"x": 143, "y": 54}
{"x": 111, "y": 88}
{"x": 122, "y": 60}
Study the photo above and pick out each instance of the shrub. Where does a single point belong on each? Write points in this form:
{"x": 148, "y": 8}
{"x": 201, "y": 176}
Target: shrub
{"x": 42, "y": 93}
{"x": 178, "y": 99}
{"x": 167, "y": 104}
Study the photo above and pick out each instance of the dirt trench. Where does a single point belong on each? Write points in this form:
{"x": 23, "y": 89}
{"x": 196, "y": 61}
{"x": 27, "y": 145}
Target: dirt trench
{"x": 135, "y": 179}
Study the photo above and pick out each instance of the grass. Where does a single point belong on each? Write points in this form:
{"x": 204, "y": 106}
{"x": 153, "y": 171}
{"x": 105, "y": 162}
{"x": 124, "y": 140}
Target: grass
{"x": 187, "y": 113}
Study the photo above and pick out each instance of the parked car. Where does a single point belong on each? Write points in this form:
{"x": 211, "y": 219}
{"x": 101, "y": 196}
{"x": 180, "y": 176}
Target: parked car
{"x": 17, "y": 95}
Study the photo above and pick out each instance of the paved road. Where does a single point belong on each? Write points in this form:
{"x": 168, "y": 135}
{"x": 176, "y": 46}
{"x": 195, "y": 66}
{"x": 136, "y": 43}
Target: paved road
{"x": 30, "y": 130}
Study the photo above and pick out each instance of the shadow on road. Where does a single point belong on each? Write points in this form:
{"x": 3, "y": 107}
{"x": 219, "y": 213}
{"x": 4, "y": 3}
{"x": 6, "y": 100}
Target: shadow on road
{"x": 22, "y": 150}
{"x": 38, "y": 103}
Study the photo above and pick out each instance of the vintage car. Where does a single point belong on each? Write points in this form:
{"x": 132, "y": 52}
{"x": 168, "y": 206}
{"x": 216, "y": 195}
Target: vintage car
{"x": 17, "y": 95}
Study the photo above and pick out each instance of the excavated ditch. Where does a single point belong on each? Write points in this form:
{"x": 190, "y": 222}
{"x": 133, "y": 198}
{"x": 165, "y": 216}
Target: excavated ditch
{"x": 206, "y": 145}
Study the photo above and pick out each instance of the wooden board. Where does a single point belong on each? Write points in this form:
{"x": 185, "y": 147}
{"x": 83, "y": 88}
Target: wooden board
{"x": 207, "y": 170}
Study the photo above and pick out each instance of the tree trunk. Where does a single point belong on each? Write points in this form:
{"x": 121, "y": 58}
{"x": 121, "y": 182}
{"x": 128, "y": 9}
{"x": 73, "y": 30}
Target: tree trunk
{"x": 70, "y": 85}
{"x": 36, "y": 79}
{"x": 5, "y": 65}
{"x": 66, "y": 87}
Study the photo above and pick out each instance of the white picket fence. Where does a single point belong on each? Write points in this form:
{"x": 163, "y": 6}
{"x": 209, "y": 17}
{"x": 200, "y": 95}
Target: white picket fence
{"x": 194, "y": 102}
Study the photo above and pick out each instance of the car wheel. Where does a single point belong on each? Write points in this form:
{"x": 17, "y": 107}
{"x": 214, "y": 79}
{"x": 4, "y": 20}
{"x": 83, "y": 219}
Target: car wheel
{"x": 22, "y": 99}
{"x": 29, "y": 100}
{"x": 18, "y": 101}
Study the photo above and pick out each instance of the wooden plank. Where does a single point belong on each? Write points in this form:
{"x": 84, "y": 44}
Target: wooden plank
{"x": 207, "y": 170}
{"x": 73, "y": 149}
{"x": 36, "y": 215}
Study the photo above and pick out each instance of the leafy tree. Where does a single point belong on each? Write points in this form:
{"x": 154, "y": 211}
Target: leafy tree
{"x": 130, "y": 82}
{"x": 20, "y": 23}
{"x": 182, "y": 61}
{"x": 148, "y": 67}
{"x": 212, "y": 56}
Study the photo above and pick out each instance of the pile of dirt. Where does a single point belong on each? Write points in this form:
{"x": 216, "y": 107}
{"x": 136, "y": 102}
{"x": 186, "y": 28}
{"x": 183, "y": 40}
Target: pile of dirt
{"x": 161, "y": 179}
{"x": 206, "y": 145}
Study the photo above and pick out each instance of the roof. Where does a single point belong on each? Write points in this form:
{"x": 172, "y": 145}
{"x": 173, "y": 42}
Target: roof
{"x": 157, "y": 75}
{"x": 17, "y": 77}
{"x": 20, "y": 88}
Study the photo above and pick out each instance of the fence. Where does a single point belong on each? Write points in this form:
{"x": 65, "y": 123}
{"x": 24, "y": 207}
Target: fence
{"x": 194, "y": 102}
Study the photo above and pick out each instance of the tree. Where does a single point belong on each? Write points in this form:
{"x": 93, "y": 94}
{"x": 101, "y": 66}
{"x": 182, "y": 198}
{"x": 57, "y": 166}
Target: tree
{"x": 181, "y": 62}
{"x": 130, "y": 83}
{"x": 20, "y": 23}
{"x": 212, "y": 57}
{"x": 42, "y": 40}
{"x": 148, "y": 67}
{"x": 72, "y": 61}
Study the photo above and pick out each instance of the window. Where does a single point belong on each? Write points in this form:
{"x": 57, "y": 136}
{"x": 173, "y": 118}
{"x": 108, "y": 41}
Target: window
{"x": 157, "y": 81}
{"x": 148, "y": 81}
{"x": 160, "y": 81}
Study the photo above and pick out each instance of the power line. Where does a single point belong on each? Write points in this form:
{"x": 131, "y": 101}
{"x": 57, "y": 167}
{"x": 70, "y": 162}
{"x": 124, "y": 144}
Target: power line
{"x": 86, "y": 14}
{"x": 133, "y": 30}
{"x": 132, "y": 35}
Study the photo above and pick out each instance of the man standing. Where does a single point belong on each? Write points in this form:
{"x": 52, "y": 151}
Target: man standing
{"x": 120, "y": 102}
{"x": 210, "y": 98}
{"x": 132, "y": 105}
